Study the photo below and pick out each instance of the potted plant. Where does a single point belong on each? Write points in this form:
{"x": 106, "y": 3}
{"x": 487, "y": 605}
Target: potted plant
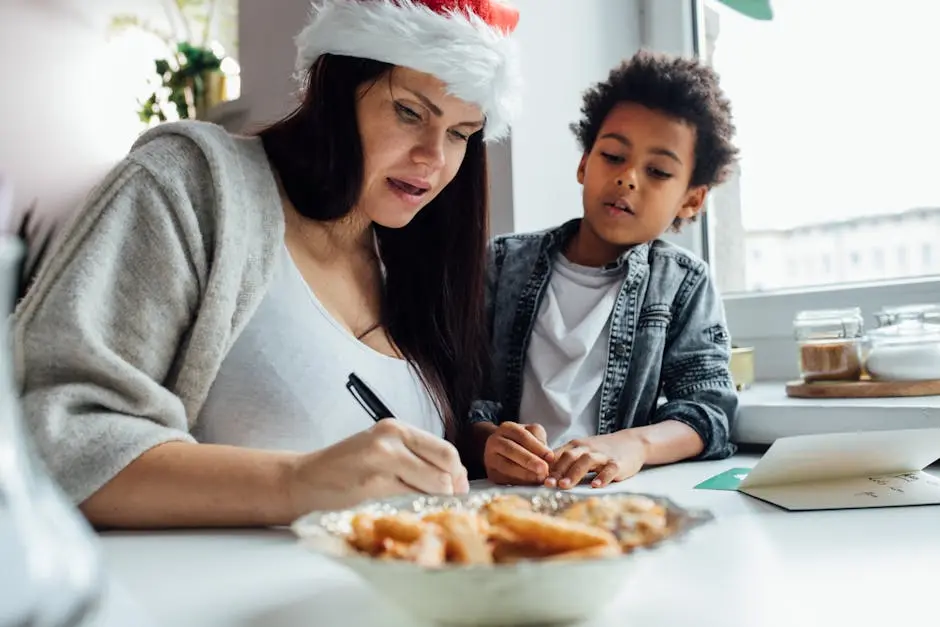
{"x": 189, "y": 80}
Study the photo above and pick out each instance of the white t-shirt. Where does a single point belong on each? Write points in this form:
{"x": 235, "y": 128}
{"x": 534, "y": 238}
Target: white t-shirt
{"x": 283, "y": 384}
{"x": 567, "y": 354}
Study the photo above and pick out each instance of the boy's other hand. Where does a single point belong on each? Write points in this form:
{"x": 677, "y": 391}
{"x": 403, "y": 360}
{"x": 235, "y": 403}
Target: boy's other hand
{"x": 613, "y": 457}
{"x": 517, "y": 454}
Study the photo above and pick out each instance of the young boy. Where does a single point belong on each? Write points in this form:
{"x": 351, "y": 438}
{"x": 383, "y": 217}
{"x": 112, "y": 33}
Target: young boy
{"x": 592, "y": 321}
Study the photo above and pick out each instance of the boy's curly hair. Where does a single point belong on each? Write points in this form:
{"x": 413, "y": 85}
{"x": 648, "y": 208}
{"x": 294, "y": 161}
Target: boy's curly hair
{"x": 683, "y": 88}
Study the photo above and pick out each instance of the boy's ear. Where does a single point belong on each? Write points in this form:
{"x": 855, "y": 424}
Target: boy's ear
{"x": 581, "y": 168}
{"x": 693, "y": 203}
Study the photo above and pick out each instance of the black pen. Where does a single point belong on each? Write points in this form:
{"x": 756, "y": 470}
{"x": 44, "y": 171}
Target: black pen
{"x": 367, "y": 398}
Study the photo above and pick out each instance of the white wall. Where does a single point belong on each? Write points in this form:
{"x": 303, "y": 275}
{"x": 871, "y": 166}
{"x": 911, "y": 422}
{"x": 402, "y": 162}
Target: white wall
{"x": 266, "y": 54}
{"x": 566, "y": 48}
{"x": 67, "y": 106}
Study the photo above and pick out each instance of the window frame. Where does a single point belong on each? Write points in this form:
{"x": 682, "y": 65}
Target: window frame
{"x": 764, "y": 320}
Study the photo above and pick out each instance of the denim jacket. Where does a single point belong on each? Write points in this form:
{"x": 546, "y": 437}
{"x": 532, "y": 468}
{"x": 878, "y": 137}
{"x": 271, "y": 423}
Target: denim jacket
{"x": 669, "y": 348}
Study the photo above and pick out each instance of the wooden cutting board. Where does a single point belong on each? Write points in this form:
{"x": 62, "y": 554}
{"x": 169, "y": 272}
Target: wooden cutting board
{"x": 864, "y": 388}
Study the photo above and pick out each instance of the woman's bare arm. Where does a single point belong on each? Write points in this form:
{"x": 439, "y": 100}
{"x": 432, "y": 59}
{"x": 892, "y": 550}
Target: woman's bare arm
{"x": 181, "y": 484}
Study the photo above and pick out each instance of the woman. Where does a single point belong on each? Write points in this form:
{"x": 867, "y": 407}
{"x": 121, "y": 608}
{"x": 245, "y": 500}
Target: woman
{"x": 184, "y": 353}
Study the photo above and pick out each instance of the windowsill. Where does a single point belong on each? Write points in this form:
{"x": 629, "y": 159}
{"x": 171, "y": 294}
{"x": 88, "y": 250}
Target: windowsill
{"x": 767, "y": 413}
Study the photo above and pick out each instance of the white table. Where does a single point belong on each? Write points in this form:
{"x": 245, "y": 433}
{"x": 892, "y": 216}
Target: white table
{"x": 756, "y": 566}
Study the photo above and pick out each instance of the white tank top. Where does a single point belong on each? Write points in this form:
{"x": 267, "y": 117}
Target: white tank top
{"x": 567, "y": 353}
{"x": 283, "y": 384}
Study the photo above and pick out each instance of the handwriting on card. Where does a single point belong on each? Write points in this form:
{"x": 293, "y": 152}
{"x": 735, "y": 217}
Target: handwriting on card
{"x": 884, "y": 486}
{"x": 897, "y": 485}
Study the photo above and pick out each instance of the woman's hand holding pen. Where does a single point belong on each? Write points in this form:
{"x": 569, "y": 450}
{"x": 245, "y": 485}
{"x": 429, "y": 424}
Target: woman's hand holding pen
{"x": 388, "y": 459}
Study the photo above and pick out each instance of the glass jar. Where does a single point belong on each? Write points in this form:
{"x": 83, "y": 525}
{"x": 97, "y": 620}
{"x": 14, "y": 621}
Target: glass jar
{"x": 907, "y": 347}
{"x": 830, "y": 344}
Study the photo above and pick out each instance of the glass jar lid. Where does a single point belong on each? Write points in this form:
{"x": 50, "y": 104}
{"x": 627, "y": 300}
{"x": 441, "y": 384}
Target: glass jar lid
{"x": 828, "y": 324}
{"x": 906, "y": 332}
{"x": 925, "y": 313}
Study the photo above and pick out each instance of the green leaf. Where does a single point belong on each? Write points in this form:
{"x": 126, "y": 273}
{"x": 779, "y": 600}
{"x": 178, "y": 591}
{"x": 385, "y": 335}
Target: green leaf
{"x": 161, "y": 66}
{"x": 179, "y": 99}
{"x": 756, "y": 9}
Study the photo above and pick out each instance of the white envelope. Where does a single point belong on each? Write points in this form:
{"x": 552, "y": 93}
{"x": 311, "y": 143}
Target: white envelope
{"x": 848, "y": 470}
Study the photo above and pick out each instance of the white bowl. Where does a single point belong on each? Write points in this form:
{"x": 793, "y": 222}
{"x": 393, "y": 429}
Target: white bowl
{"x": 523, "y": 593}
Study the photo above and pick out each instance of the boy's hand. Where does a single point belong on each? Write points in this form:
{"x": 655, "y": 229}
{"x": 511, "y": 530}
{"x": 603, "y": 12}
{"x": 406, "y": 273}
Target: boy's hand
{"x": 517, "y": 454}
{"x": 613, "y": 457}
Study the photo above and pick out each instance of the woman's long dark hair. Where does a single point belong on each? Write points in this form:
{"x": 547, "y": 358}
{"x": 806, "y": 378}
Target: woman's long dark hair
{"x": 433, "y": 304}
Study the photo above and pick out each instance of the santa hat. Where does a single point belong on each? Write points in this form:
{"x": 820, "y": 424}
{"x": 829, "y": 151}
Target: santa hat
{"x": 464, "y": 43}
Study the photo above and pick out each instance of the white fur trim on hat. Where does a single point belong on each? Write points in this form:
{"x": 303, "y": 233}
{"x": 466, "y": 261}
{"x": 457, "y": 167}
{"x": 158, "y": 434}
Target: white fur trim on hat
{"x": 477, "y": 62}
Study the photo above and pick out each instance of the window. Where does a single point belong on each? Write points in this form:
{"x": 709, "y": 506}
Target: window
{"x": 879, "y": 261}
{"x": 827, "y": 172}
{"x": 803, "y": 163}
